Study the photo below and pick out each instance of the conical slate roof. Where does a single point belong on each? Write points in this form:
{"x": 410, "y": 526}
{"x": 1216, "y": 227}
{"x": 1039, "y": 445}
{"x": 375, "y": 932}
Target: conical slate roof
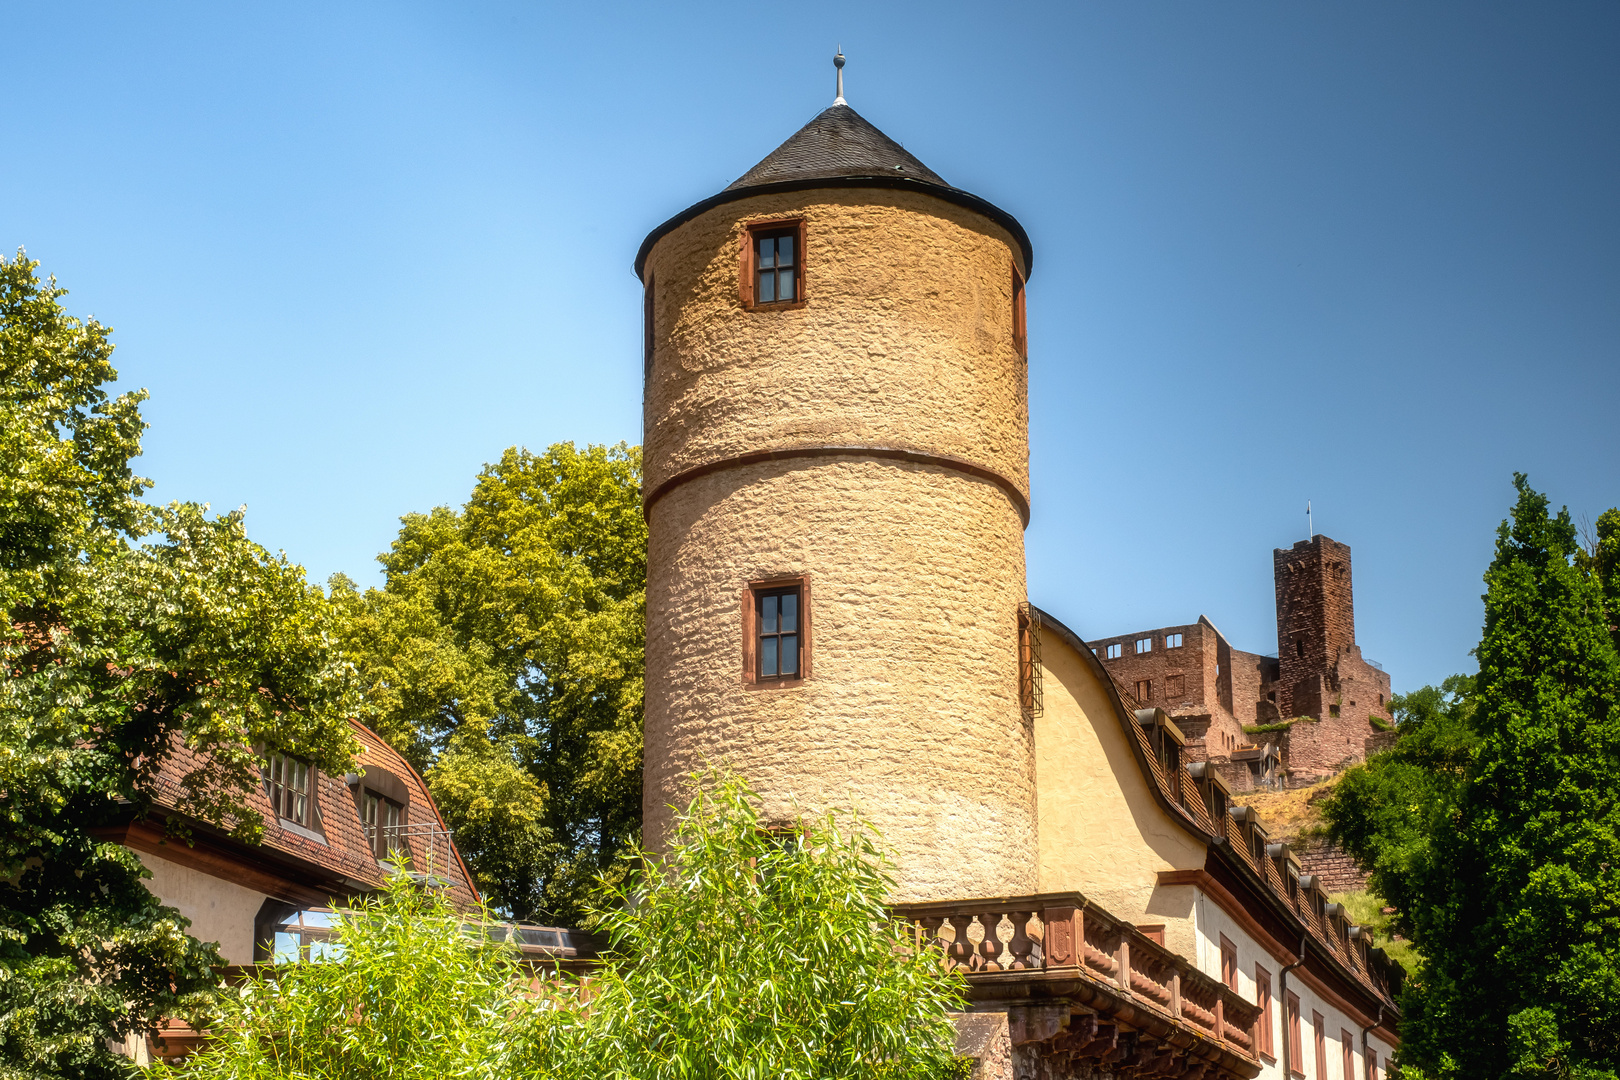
{"x": 840, "y": 148}
{"x": 840, "y": 142}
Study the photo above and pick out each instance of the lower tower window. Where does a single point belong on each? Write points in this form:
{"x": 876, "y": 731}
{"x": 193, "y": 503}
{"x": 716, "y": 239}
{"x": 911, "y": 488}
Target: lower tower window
{"x": 776, "y": 632}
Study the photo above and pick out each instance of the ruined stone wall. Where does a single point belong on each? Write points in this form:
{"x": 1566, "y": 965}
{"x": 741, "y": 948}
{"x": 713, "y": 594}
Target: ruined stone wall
{"x": 760, "y": 427}
{"x": 1337, "y": 870}
{"x": 1193, "y": 662}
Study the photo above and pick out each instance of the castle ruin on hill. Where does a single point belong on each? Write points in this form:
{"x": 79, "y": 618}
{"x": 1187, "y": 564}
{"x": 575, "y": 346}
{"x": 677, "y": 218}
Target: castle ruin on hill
{"x": 1289, "y": 718}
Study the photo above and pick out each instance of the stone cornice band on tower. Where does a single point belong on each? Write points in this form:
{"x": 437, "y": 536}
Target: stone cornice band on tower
{"x": 904, "y": 183}
{"x": 882, "y": 453}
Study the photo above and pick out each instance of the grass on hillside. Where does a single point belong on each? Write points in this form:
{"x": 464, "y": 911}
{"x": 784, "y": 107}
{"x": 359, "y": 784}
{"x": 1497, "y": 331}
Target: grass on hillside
{"x": 1367, "y": 909}
{"x": 1290, "y": 815}
{"x": 1296, "y": 814}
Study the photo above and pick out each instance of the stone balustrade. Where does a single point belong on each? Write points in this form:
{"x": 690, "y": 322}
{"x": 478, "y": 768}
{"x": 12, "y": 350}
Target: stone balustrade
{"x": 1048, "y": 938}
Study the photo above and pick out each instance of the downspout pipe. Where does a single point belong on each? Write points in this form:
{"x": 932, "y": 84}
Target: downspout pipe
{"x": 1365, "y": 1068}
{"x": 1282, "y": 992}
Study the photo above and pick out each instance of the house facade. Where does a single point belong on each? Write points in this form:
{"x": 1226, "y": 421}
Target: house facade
{"x": 836, "y": 487}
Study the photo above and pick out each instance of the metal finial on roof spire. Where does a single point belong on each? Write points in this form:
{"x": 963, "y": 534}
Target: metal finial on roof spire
{"x": 838, "y": 62}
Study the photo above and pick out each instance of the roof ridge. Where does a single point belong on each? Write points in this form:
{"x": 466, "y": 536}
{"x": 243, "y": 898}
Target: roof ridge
{"x": 838, "y": 142}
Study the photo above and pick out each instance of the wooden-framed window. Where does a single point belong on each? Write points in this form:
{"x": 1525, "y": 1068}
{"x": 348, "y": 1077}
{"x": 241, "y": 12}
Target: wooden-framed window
{"x": 1349, "y": 1052}
{"x": 776, "y": 632}
{"x": 1019, "y": 318}
{"x": 1114, "y": 651}
{"x": 383, "y": 819}
{"x": 1372, "y": 1064}
{"x": 647, "y": 314}
{"x": 1154, "y": 932}
{"x": 1296, "y": 1050}
{"x": 1229, "y": 964}
{"x": 1319, "y": 1036}
{"x": 1266, "y": 1024}
{"x": 304, "y": 935}
{"x": 1144, "y": 645}
{"x": 772, "y": 273}
{"x": 291, "y": 784}
{"x": 1172, "y": 641}
{"x": 1144, "y": 689}
{"x": 1174, "y": 685}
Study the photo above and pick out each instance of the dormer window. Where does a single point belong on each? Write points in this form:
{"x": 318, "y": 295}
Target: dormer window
{"x": 383, "y": 818}
{"x": 291, "y": 783}
{"x": 773, "y": 265}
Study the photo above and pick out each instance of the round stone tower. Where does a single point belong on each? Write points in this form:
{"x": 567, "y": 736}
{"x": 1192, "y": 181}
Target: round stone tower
{"x": 836, "y": 488}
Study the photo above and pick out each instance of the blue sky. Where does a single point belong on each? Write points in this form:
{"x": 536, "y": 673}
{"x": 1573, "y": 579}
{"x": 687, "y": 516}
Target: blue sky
{"x": 1366, "y": 255}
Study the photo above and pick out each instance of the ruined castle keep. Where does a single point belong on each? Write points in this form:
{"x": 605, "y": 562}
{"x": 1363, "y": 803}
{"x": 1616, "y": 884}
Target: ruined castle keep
{"x": 1313, "y": 701}
{"x": 836, "y": 487}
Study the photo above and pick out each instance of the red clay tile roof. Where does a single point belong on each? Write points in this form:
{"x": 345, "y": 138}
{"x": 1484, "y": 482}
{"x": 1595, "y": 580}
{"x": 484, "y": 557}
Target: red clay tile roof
{"x": 343, "y": 850}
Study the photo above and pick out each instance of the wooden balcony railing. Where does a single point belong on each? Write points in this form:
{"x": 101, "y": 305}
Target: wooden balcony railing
{"x": 1064, "y": 934}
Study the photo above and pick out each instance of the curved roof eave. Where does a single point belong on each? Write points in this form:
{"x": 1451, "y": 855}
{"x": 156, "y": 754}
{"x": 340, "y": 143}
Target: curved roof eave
{"x": 957, "y": 196}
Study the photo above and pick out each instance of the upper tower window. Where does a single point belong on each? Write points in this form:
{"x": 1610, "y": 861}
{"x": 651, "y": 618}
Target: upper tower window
{"x": 773, "y": 265}
{"x": 776, "y": 270}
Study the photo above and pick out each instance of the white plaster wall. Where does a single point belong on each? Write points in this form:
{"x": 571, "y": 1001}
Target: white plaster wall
{"x": 1212, "y": 922}
{"x": 219, "y": 910}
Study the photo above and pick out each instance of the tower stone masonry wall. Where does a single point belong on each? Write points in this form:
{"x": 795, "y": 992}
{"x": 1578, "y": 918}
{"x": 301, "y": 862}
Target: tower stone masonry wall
{"x": 915, "y": 568}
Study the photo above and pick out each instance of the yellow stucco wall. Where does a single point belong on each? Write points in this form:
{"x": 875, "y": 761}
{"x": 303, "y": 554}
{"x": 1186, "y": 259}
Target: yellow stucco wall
{"x": 1101, "y": 830}
{"x": 916, "y": 569}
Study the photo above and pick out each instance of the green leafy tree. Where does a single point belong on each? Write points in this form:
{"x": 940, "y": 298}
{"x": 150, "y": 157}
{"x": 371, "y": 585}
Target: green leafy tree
{"x": 115, "y": 657}
{"x": 748, "y": 954}
{"x": 1509, "y": 873}
{"x": 504, "y": 657}
{"x": 1384, "y": 813}
{"x": 406, "y": 993}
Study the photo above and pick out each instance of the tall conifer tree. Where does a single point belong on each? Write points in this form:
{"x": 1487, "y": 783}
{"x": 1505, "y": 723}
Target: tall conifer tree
{"x": 1518, "y": 911}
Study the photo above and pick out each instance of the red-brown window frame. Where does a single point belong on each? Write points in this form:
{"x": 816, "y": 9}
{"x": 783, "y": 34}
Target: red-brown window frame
{"x": 649, "y": 313}
{"x": 1264, "y": 1027}
{"x": 1020, "y": 318}
{"x": 1229, "y": 964}
{"x": 1320, "y": 1037}
{"x": 1349, "y": 1044}
{"x": 750, "y": 632}
{"x": 1296, "y": 1045}
{"x": 745, "y": 268}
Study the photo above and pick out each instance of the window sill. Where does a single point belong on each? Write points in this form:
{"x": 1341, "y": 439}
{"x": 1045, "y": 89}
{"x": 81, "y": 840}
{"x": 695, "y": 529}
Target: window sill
{"x": 773, "y": 684}
{"x": 776, "y": 305}
{"x": 299, "y": 830}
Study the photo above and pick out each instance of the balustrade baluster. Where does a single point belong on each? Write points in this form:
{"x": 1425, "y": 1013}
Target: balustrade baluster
{"x": 990, "y": 947}
{"x": 928, "y": 935}
{"x": 961, "y": 950}
{"x": 1022, "y": 946}
{"x": 1124, "y": 963}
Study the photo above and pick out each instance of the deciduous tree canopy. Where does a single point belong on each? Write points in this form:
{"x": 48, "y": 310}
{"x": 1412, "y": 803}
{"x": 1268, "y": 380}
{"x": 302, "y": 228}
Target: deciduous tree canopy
{"x": 504, "y": 657}
{"x": 113, "y": 655}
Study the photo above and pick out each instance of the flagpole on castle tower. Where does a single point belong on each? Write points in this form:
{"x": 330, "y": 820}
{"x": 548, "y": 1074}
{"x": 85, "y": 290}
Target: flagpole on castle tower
{"x": 838, "y": 62}
{"x": 1310, "y": 528}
